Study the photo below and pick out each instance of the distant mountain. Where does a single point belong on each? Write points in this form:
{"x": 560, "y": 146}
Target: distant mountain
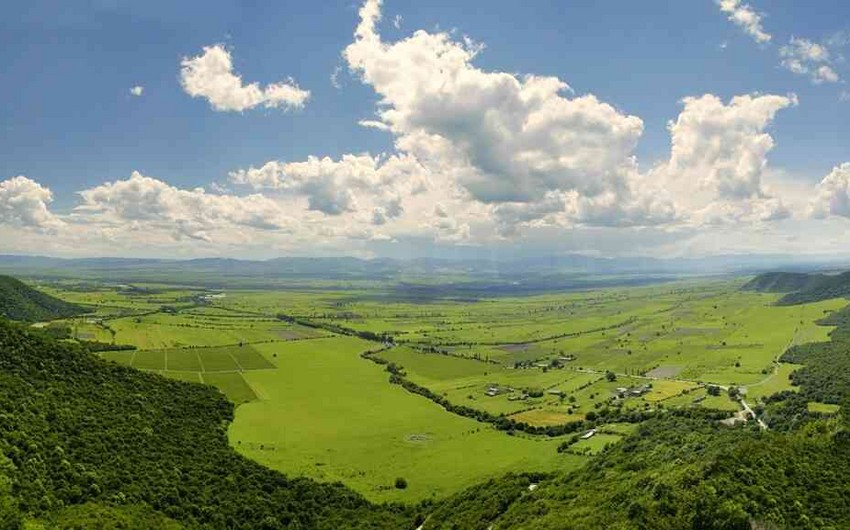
{"x": 18, "y": 301}
{"x": 802, "y": 288}
{"x": 524, "y": 273}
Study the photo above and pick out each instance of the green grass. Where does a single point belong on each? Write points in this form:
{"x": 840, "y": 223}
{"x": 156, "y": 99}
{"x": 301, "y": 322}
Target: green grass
{"x": 233, "y": 385}
{"x": 217, "y": 360}
{"x": 183, "y": 359}
{"x": 331, "y": 415}
{"x": 309, "y": 405}
{"x": 120, "y": 357}
{"x": 823, "y": 408}
{"x": 149, "y": 360}
{"x": 775, "y": 381}
{"x": 190, "y": 377}
{"x": 595, "y": 444}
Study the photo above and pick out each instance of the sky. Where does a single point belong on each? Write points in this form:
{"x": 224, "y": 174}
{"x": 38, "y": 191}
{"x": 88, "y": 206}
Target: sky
{"x": 268, "y": 128}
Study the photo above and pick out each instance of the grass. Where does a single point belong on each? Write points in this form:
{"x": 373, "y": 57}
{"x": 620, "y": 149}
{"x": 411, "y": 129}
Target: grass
{"x": 309, "y": 405}
{"x": 776, "y": 381}
{"x": 823, "y": 408}
{"x": 595, "y": 444}
{"x": 233, "y": 385}
{"x": 331, "y": 415}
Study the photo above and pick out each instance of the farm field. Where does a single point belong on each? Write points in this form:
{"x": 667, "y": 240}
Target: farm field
{"x": 310, "y": 405}
{"x": 328, "y": 414}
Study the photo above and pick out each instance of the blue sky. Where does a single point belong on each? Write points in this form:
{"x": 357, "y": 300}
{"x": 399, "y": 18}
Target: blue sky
{"x": 70, "y": 123}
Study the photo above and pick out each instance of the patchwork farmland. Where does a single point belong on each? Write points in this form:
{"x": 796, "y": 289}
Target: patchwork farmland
{"x": 519, "y": 379}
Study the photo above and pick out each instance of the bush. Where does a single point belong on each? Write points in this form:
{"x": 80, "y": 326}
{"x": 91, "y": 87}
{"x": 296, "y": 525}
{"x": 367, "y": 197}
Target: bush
{"x": 400, "y": 483}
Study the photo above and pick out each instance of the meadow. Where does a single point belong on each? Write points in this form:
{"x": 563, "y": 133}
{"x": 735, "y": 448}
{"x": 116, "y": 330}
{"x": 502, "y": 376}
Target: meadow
{"x": 311, "y": 405}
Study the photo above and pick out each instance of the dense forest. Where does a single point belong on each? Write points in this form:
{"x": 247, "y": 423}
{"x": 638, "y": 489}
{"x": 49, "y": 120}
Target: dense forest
{"x": 75, "y": 430}
{"x": 18, "y": 301}
{"x": 801, "y": 288}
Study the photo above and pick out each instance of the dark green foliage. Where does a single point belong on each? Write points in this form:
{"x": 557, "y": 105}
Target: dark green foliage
{"x": 102, "y": 517}
{"x": 76, "y": 430}
{"x": 679, "y": 471}
{"x": 801, "y": 288}
{"x": 401, "y": 483}
{"x": 826, "y": 374}
{"x": 828, "y": 286}
{"x": 95, "y": 346}
{"x": 18, "y": 301}
{"x": 781, "y": 282}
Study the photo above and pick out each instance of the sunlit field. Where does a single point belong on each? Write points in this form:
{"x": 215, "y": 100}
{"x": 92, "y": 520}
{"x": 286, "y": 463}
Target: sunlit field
{"x": 311, "y": 404}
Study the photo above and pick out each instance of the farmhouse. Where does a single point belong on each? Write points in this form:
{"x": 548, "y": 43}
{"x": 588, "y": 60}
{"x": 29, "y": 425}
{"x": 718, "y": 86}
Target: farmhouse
{"x": 633, "y": 391}
{"x": 494, "y": 390}
{"x": 555, "y": 392}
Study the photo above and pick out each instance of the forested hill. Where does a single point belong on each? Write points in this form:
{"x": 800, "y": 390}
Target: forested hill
{"x": 781, "y": 282}
{"x": 802, "y": 288}
{"x": 89, "y": 441}
{"x": 19, "y": 301}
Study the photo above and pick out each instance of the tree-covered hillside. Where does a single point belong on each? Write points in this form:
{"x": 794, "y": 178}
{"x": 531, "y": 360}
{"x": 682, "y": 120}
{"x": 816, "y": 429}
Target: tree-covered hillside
{"x": 18, "y": 301}
{"x": 801, "y": 288}
{"x": 781, "y": 282}
{"x": 75, "y": 430}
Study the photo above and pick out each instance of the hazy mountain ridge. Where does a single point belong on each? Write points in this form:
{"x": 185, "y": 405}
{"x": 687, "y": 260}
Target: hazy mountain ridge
{"x": 550, "y": 269}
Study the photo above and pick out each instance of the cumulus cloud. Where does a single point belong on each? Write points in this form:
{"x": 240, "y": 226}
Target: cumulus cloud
{"x": 508, "y": 141}
{"x": 746, "y": 18}
{"x": 25, "y": 203}
{"x": 137, "y": 90}
{"x": 808, "y": 58}
{"x": 210, "y": 75}
{"x": 832, "y": 194}
{"x": 337, "y": 186}
{"x": 191, "y": 213}
{"x": 719, "y": 156}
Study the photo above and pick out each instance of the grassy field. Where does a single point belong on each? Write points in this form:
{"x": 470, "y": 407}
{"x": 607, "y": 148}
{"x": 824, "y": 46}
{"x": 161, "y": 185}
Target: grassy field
{"x": 328, "y": 414}
{"x": 310, "y": 405}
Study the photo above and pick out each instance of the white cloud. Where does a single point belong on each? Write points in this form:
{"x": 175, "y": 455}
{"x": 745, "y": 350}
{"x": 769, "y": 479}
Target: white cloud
{"x": 211, "y": 76}
{"x": 719, "y": 155}
{"x": 25, "y": 203}
{"x": 832, "y": 194}
{"x": 335, "y": 82}
{"x": 507, "y": 141}
{"x": 804, "y": 57}
{"x": 374, "y": 124}
{"x": 137, "y": 90}
{"x": 746, "y": 18}
{"x": 192, "y": 213}
{"x": 334, "y": 187}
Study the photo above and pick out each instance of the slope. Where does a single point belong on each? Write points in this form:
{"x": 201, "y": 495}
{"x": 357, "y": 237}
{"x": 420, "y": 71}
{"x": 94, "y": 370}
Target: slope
{"x": 76, "y": 430}
{"x": 19, "y": 301}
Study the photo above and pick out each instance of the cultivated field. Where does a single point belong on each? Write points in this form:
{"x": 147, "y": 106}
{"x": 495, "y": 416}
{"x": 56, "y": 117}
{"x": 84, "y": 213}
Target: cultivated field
{"x": 311, "y": 404}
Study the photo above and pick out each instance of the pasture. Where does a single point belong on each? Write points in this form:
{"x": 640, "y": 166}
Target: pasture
{"x": 329, "y": 414}
{"x": 310, "y": 405}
